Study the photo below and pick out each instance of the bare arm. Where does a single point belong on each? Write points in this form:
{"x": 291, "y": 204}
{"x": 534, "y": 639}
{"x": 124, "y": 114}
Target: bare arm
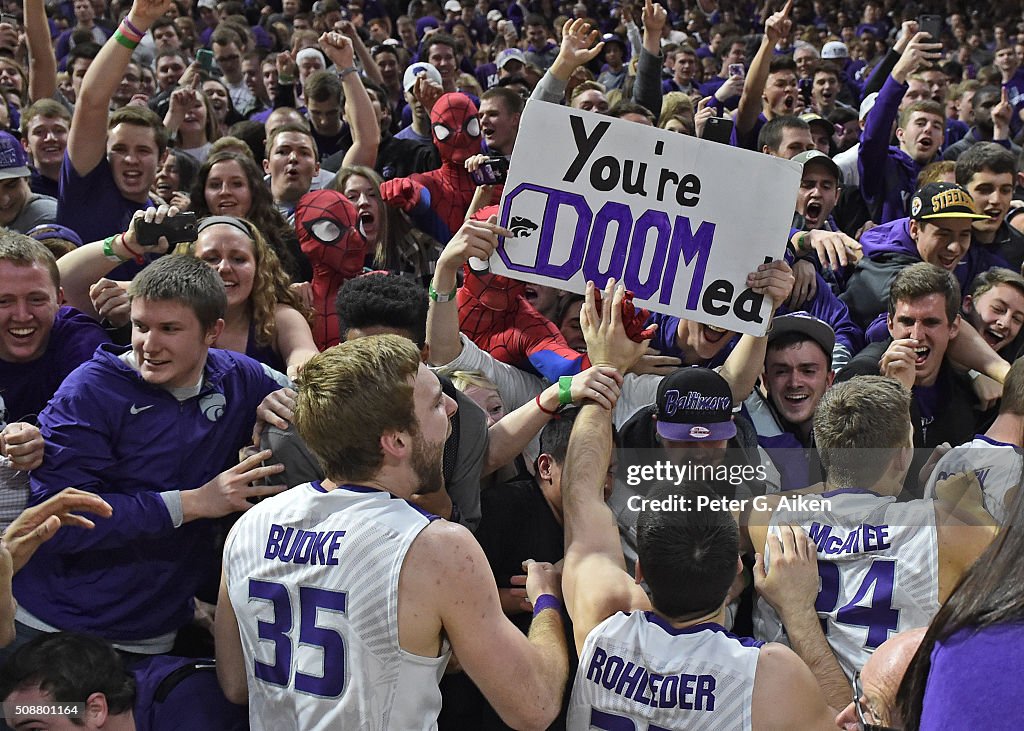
{"x": 474, "y": 239}
{"x": 84, "y": 266}
{"x": 230, "y": 656}
{"x": 490, "y": 648}
{"x": 42, "y": 66}
{"x": 743, "y": 366}
{"x": 791, "y": 587}
{"x": 294, "y": 339}
{"x": 970, "y": 350}
{"x": 358, "y": 109}
{"x": 510, "y": 436}
{"x": 786, "y": 694}
{"x": 775, "y": 28}
{"x": 595, "y": 581}
{"x": 370, "y": 67}
{"x": 87, "y": 140}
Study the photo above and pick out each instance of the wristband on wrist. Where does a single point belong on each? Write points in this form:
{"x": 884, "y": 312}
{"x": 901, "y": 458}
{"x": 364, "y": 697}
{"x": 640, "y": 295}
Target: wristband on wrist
{"x": 108, "y": 250}
{"x": 565, "y": 390}
{"x": 546, "y": 411}
{"x": 440, "y": 297}
{"x": 345, "y": 72}
{"x": 800, "y": 241}
{"x": 546, "y": 601}
{"x": 285, "y": 80}
{"x": 124, "y": 40}
{"x": 131, "y": 26}
{"x": 137, "y": 255}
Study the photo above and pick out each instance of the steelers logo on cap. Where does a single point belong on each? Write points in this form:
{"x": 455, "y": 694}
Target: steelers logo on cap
{"x": 915, "y": 205}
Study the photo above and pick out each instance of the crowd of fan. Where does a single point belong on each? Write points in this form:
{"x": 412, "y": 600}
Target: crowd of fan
{"x": 328, "y": 153}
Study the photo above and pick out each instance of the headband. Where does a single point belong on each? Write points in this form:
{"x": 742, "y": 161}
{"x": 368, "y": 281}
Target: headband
{"x": 232, "y": 221}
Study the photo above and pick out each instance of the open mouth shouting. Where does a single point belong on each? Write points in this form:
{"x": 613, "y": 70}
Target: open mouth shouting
{"x": 995, "y": 336}
{"x": 713, "y": 334}
{"x": 921, "y": 354}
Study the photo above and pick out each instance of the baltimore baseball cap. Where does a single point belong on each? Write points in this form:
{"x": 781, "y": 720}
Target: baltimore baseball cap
{"x": 510, "y": 54}
{"x": 494, "y": 15}
{"x": 13, "y": 159}
{"x": 695, "y": 404}
{"x": 943, "y": 200}
{"x": 807, "y": 324}
{"x": 820, "y": 157}
{"x": 411, "y": 74}
{"x": 453, "y": 6}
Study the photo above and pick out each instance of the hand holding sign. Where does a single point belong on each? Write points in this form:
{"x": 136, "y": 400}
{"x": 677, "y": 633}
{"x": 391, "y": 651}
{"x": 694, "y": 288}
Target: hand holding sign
{"x": 774, "y": 280}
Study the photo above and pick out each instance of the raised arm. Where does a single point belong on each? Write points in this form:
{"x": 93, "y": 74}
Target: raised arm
{"x": 790, "y": 586}
{"x": 87, "y": 140}
{"x": 42, "y": 64}
{"x": 595, "y": 582}
{"x": 476, "y": 239}
{"x": 511, "y": 435}
{"x": 580, "y": 46}
{"x": 745, "y": 363}
{"x": 775, "y": 28}
{"x": 358, "y": 108}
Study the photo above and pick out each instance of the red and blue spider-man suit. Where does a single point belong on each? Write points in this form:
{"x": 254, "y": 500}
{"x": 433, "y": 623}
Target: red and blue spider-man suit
{"x": 495, "y": 314}
{"x": 438, "y": 200}
{"x": 327, "y": 224}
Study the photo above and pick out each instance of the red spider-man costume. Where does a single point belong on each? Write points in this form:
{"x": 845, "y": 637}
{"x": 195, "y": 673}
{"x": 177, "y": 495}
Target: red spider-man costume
{"x": 495, "y": 314}
{"x": 328, "y": 234}
{"x": 438, "y": 200}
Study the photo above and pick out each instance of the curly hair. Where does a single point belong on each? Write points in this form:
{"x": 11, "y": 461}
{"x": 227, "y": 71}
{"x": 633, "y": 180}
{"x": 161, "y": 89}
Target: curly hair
{"x": 262, "y": 212}
{"x": 270, "y": 287}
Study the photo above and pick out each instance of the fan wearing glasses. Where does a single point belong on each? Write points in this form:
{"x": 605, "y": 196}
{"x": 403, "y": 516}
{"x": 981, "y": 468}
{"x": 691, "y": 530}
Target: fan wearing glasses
{"x": 873, "y": 707}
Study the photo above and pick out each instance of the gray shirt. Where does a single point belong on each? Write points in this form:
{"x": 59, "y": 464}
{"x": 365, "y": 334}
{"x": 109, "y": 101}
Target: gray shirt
{"x": 38, "y": 209}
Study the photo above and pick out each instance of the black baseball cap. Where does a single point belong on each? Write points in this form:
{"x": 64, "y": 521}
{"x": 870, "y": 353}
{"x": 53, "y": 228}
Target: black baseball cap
{"x": 802, "y": 322}
{"x": 943, "y": 200}
{"x": 695, "y": 405}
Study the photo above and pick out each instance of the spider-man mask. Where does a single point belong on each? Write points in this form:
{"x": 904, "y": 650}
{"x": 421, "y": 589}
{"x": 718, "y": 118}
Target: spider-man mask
{"x": 456, "y": 127}
{"x": 327, "y": 218}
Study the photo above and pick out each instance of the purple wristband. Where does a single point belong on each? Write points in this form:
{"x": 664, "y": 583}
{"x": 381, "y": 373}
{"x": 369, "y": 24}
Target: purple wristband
{"x": 131, "y": 26}
{"x": 546, "y": 601}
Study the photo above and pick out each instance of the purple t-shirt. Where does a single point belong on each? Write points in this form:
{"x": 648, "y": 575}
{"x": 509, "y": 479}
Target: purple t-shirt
{"x": 976, "y": 680}
{"x": 177, "y": 693}
{"x": 25, "y": 388}
{"x": 91, "y": 204}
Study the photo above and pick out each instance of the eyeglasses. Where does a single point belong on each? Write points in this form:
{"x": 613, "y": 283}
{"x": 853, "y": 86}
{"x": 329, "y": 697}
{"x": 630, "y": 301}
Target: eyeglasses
{"x": 857, "y": 695}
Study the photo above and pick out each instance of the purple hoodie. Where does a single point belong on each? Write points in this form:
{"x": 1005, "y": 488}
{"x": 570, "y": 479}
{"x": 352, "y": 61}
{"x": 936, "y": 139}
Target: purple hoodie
{"x": 894, "y": 238}
{"x": 887, "y": 250}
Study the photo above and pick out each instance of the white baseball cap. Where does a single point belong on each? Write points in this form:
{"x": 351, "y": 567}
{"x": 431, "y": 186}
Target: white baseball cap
{"x": 835, "y": 49}
{"x": 413, "y": 72}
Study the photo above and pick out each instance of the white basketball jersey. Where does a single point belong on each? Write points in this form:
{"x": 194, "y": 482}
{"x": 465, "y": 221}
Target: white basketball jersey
{"x": 637, "y": 672}
{"x": 997, "y": 466}
{"x": 313, "y": 579}
{"x": 879, "y": 569}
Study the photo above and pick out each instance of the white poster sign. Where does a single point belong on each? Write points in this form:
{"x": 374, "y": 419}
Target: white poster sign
{"x": 680, "y": 221}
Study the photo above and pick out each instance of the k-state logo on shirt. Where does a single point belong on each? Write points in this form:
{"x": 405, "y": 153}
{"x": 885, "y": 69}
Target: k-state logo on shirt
{"x": 212, "y": 405}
